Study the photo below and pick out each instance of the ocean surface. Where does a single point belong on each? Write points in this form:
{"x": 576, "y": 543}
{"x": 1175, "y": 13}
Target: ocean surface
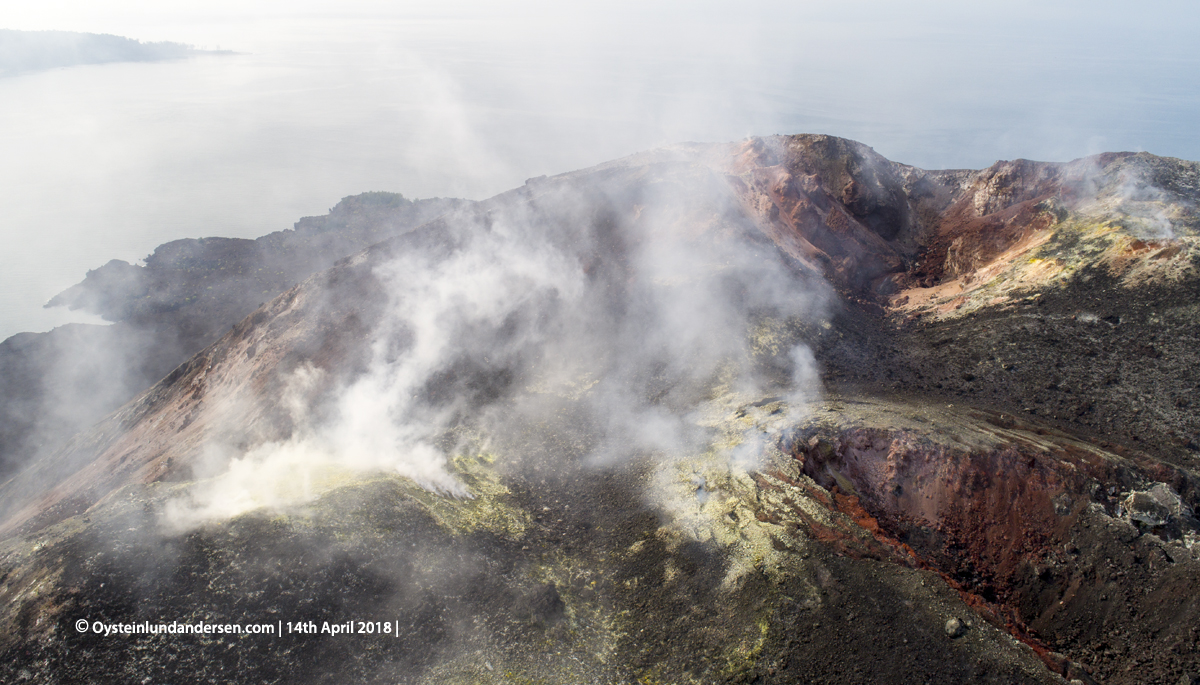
{"x": 108, "y": 161}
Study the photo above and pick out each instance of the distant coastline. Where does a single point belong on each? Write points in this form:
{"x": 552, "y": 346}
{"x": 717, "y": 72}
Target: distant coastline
{"x": 23, "y": 52}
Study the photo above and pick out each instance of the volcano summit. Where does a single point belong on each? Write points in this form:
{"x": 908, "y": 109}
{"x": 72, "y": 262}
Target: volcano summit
{"x": 773, "y": 411}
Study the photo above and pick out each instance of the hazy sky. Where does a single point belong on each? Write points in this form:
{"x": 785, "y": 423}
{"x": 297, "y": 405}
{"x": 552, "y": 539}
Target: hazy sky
{"x": 470, "y": 98}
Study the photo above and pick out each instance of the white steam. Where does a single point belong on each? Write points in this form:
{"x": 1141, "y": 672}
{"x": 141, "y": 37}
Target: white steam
{"x": 598, "y": 317}
{"x": 1142, "y": 199}
{"x": 1128, "y": 191}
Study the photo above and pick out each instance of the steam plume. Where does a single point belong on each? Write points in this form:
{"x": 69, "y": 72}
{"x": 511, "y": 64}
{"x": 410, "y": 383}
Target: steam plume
{"x": 575, "y": 306}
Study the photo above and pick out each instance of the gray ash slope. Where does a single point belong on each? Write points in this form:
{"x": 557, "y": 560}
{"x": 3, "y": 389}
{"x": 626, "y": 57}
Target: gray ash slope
{"x": 765, "y": 412}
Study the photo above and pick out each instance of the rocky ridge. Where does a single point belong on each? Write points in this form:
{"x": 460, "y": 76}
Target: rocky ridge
{"x": 186, "y": 296}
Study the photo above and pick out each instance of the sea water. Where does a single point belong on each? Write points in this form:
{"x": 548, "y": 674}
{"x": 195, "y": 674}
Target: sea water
{"x": 108, "y": 161}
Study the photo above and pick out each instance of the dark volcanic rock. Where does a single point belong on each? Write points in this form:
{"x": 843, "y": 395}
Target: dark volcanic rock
{"x": 203, "y": 286}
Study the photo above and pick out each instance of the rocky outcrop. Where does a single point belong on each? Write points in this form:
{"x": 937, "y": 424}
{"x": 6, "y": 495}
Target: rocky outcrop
{"x": 1023, "y": 520}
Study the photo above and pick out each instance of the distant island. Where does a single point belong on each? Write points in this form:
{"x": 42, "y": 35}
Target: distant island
{"x": 23, "y": 52}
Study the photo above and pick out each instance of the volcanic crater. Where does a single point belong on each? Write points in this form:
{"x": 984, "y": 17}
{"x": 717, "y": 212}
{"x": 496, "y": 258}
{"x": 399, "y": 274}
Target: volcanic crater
{"x": 942, "y": 429}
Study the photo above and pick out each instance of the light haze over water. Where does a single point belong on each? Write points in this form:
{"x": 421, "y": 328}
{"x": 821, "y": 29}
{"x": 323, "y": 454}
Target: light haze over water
{"x": 469, "y": 99}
